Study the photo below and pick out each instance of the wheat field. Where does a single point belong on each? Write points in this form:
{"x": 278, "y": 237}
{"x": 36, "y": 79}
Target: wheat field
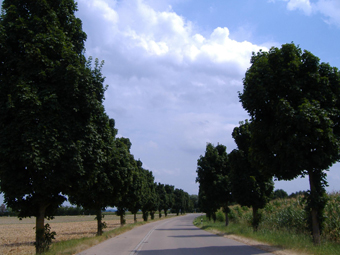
{"x": 18, "y": 236}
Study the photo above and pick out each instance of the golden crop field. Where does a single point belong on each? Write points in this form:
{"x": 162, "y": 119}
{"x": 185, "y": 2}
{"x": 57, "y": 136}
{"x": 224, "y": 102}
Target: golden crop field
{"x": 18, "y": 236}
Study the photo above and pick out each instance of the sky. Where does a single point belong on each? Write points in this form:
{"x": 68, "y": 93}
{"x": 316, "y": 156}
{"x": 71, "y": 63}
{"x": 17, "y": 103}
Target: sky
{"x": 174, "y": 69}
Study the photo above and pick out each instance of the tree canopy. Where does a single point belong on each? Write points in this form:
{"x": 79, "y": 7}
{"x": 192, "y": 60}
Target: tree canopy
{"x": 213, "y": 176}
{"x": 250, "y": 185}
{"x": 293, "y": 101}
{"x": 47, "y": 92}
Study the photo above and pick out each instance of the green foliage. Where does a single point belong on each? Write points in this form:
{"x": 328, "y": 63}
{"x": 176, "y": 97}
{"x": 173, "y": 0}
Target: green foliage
{"x": 297, "y": 243}
{"x": 298, "y": 193}
{"x": 213, "y": 177}
{"x": 49, "y": 101}
{"x": 169, "y": 189}
{"x": 149, "y": 199}
{"x": 160, "y": 189}
{"x": 71, "y": 210}
{"x": 220, "y": 216}
{"x": 181, "y": 199}
{"x": 250, "y": 185}
{"x": 280, "y": 193}
{"x": 293, "y": 101}
{"x": 332, "y": 218}
{"x": 48, "y": 236}
{"x": 290, "y": 215}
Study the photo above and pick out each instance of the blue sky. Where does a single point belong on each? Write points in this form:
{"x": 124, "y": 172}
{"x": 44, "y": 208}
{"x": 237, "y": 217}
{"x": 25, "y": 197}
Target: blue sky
{"x": 174, "y": 68}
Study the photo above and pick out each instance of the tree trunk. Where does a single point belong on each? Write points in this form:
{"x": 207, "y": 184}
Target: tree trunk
{"x": 135, "y": 217}
{"x": 99, "y": 223}
{"x": 40, "y": 229}
{"x": 256, "y": 218}
{"x": 122, "y": 220}
{"x": 165, "y": 212}
{"x": 160, "y": 213}
{"x": 145, "y": 215}
{"x": 214, "y": 216}
{"x": 226, "y": 219}
{"x": 314, "y": 212}
{"x": 226, "y": 212}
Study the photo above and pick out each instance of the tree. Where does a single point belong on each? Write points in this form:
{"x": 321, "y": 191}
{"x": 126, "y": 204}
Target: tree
{"x": 2, "y": 209}
{"x": 178, "y": 201}
{"x": 46, "y": 97}
{"x": 181, "y": 201}
{"x": 293, "y": 101}
{"x": 154, "y": 201}
{"x": 129, "y": 197}
{"x": 169, "y": 201}
{"x": 107, "y": 176}
{"x": 149, "y": 198}
{"x": 250, "y": 185}
{"x": 194, "y": 203}
{"x": 135, "y": 192}
{"x": 213, "y": 176}
{"x": 280, "y": 193}
{"x": 160, "y": 189}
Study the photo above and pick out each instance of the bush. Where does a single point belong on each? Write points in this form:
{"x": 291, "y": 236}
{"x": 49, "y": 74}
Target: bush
{"x": 233, "y": 216}
{"x": 220, "y": 216}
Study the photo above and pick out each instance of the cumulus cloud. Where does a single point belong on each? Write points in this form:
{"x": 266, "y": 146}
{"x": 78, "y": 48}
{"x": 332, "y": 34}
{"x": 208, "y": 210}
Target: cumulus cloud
{"x": 168, "y": 83}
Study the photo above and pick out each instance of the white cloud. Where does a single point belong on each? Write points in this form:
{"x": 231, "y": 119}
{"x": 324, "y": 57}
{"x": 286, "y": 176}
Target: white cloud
{"x": 171, "y": 89}
{"x": 328, "y": 8}
{"x": 303, "y": 5}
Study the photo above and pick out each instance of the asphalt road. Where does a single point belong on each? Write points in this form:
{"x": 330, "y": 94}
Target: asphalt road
{"x": 169, "y": 237}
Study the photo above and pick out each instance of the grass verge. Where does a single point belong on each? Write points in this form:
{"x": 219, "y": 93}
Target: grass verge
{"x": 280, "y": 239}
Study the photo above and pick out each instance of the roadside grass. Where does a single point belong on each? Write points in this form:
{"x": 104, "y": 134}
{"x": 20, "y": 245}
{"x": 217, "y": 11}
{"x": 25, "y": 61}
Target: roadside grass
{"x": 74, "y": 246}
{"x": 283, "y": 226}
{"x": 77, "y": 245}
{"x": 282, "y": 240}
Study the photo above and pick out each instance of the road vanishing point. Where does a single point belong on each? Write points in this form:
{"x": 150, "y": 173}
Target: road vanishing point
{"x": 173, "y": 236}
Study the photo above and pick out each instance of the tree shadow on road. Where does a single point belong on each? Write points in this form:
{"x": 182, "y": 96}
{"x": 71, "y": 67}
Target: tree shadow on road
{"x": 216, "y": 250}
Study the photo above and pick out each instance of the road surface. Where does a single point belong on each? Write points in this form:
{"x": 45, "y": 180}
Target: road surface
{"x": 174, "y": 236}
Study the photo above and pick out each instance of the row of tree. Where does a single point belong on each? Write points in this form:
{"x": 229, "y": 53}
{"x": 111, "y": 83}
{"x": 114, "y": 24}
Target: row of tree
{"x": 56, "y": 141}
{"x": 228, "y": 178}
{"x": 294, "y": 130}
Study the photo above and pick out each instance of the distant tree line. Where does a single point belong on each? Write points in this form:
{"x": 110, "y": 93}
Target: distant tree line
{"x": 294, "y": 130}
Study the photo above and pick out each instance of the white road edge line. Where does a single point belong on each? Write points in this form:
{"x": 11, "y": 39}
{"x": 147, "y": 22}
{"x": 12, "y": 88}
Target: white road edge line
{"x": 135, "y": 251}
{"x": 139, "y": 246}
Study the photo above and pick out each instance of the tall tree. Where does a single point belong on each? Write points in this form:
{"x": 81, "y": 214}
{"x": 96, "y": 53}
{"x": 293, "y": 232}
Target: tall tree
{"x": 105, "y": 179}
{"x": 46, "y": 97}
{"x": 128, "y": 197}
{"x": 169, "y": 201}
{"x": 193, "y": 203}
{"x": 213, "y": 176}
{"x": 149, "y": 198}
{"x": 250, "y": 185}
{"x": 178, "y": 201}
{"x": 293, "y": 101}
{"x": 136, "y": 190}
{"x": 160, "y": 189}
